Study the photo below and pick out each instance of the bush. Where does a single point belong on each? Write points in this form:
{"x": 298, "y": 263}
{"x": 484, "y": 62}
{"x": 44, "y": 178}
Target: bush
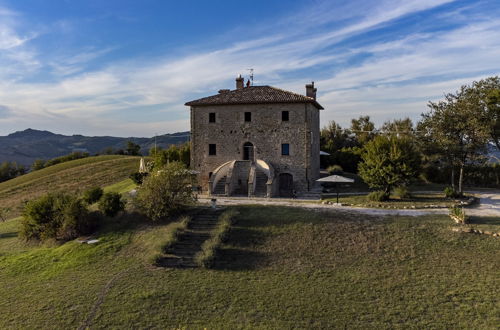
{"x": 334, "y": 169}
{"x": 402, "y": 192}
{"x": 377, "y": 196}
{"x": 92, "y": 195}
{"x": 111, "y": 203}
{"x": 458, "y": 215}
{"x": 138, "y": 177}
{"x": 449, "y": 192}
{"x": 165, "y": 192}
{"x": 58, "y": 216}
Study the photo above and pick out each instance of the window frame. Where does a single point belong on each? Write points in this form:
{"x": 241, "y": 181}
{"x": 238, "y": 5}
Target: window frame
{"x": 249, "y": 113}
{"x": 285, "y": 115}
{"x": 287, "y": 149}
{"x": 212, "y": 152}
{"x": 211, "y": 115}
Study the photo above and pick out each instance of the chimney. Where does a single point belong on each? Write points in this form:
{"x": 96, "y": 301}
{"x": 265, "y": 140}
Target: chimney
{"x": 239, "y": 82}
{"x": 310, "y": 90}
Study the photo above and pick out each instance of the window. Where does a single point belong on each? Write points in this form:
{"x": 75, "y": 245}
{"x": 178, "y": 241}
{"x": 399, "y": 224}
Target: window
{"x": 212, "y": 149}
{"x": 285, "y": 149}
{"x": 248, "y": 116}
{"x": 284, "y": 116}
{"x": 211, "y": 117}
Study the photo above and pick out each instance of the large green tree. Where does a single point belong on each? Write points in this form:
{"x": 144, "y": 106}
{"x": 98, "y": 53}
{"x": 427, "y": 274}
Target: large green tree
{"x": 455, "y": 128}
{"x": 388, "y": 162}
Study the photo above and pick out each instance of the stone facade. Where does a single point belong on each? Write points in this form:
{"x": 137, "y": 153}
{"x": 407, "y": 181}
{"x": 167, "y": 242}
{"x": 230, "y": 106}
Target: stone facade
{"x": 263, "y": 135}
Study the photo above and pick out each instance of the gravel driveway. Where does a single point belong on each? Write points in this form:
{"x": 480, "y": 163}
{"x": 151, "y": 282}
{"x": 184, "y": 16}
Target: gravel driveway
{"x": 489, "y": 205}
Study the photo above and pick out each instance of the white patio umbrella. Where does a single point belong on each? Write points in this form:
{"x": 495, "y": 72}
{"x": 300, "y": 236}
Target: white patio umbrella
{"x": 142, "y": 166}
{"x": 323, "y": 153}
{"x": 336, "y": 179}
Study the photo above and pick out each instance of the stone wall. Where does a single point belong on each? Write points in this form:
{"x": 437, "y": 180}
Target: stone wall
{"x": 266, "y": 132}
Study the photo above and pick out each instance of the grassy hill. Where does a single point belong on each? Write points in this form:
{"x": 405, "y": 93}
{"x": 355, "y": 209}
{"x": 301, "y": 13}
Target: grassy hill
{"x": 73, "y": 176}
{"x": 281, "y": 268}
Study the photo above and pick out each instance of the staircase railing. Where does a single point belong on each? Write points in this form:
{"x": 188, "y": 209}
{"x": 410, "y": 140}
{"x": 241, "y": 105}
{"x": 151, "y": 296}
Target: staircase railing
{"x": 218, "y": 174}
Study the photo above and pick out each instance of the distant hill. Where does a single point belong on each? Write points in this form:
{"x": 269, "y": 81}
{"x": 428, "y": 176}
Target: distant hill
{"x": 25, "y": 146}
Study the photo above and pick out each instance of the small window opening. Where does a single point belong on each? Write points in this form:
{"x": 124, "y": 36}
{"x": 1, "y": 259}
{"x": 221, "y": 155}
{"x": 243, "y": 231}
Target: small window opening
{"x": 212, "y": 149}
{"x": 248, "y": 116}
{"x": 211, "y": 117}
{"x": 285, "y": 116}
{"x": 285, "y": 149}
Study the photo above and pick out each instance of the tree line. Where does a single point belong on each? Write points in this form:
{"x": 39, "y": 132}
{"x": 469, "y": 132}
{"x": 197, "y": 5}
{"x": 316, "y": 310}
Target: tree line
{"x": 451, "y": 137}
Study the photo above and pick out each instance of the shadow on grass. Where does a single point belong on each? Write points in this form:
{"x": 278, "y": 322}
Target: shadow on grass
{"x": 493, "y": 221}
{"x": 9, "y": 235}
{"x": 239, "y": 259}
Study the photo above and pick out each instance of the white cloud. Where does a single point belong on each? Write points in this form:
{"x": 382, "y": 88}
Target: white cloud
{"x": 387, "y": 84}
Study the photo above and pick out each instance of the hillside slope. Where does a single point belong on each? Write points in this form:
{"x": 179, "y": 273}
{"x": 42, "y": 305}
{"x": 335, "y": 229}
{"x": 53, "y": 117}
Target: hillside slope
{"x": 73, "y": 176}
{"x": 26, "y": 146}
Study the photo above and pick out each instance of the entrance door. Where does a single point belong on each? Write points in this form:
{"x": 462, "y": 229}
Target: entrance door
{"x": 286, "y": 185}
{"x": 248, "y": 151}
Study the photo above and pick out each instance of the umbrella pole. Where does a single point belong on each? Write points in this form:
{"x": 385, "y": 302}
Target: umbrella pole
{"x": 337, "y": 188}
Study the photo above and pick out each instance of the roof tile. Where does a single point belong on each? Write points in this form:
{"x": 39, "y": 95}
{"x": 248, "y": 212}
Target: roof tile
{"x": 254, "y": 95}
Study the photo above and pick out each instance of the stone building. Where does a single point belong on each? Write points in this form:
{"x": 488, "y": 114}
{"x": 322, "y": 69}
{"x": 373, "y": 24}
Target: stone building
{"x": 256, "y": 141}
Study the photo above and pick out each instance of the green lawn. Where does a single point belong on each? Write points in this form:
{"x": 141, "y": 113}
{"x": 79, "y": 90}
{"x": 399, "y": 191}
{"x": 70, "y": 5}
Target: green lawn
{"x": 281, "y": 268}
{"x": 72, "y": 176}
{"x": 416, "y": 201}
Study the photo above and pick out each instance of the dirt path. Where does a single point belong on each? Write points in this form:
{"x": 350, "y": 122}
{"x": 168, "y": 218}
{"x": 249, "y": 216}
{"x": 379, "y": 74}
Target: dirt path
{"x": 489, "y": 205}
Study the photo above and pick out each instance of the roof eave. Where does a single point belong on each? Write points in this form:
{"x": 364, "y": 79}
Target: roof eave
{"x": 202, "y": 104}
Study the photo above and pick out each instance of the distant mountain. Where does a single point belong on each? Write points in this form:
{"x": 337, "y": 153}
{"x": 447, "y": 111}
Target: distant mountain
{"x": 25, "y": 146}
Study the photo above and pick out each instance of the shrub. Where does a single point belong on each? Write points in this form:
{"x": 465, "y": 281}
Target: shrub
{"x": 334, "y": 169}
{"x": 58, "y": 216}
{"x": 111, "y": 203}
{"x": 449, "y": 192}
{"x": 138, "y": 177}
{"x": 165, "y": 192}
{"x": 66, "y": 158}
{"x": 458, "y": 214}
{"x": 92, "y": 195}
{"x": 377, "y": 196}
{"x": 402, "y": 192}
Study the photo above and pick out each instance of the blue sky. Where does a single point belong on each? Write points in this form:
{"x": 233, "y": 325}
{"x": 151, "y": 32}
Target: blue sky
{"x": 126, "y": 68}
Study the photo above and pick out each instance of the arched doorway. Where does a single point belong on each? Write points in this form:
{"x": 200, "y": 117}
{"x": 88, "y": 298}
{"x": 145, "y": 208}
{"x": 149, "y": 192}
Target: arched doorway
{"x": 248, "y": 151}
{"x": 286, "y": 185}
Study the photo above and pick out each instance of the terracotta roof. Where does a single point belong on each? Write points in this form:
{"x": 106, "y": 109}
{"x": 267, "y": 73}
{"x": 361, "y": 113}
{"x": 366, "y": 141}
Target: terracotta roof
{"x": 254, "y": 95}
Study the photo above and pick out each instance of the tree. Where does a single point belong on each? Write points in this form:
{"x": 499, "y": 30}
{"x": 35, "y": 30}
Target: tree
{"x": 133, "y": 148}
{"x": 398, "y": 127}
{"x": 363, "y": 129}
{"x": 166, "y": 191}
{"x": 341, "y": 146}
{"x": 174, "y": 153}
{"x": 9, "y": 170}
{"x": 38, "y": 164}
{"x": 486, "y": 93}
{"x": 389, "y": 162}
{"x": 455, "y": 129}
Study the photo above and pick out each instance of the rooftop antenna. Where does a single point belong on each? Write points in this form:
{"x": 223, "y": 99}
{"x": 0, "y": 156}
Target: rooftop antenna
{"x": 251, "y": 76}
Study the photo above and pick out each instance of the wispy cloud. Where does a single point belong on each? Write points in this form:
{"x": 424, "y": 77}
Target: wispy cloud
{"x": 393, "y": 77}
